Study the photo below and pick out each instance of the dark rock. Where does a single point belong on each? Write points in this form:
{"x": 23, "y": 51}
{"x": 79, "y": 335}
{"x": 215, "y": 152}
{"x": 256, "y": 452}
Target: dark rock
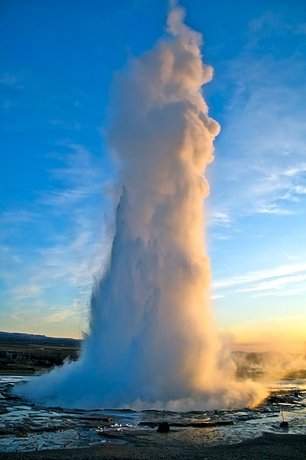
{"x": 152, "y": 424}
{"x": 163, "y": 427}
{"x": 284, "y": 425}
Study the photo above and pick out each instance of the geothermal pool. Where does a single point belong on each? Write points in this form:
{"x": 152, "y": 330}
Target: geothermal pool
{"x": 28, "y": 427}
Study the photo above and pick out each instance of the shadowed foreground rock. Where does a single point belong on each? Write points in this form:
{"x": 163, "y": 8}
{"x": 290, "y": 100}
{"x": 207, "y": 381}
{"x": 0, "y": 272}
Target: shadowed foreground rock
{"x": 163, "y": 427}
{"x": 264, "y": 448}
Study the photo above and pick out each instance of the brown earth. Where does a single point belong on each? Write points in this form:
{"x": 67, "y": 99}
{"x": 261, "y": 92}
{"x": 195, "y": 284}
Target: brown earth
{"x": 26, "y": 354}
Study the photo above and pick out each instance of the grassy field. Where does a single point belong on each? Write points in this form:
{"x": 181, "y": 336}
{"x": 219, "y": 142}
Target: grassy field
{"x": 27, "y": 353}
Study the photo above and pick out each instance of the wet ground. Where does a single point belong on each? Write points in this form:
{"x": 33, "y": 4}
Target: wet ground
{"x": 27, "y": 427}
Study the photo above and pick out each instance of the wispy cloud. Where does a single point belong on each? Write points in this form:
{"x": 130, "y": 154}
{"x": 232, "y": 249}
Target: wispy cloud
{"x": 70, "y": 247}
{"x": 78, "y": 178}
{"x": 68, "y": 265}
{"x": 18, "y": 216}
{"x": 69, "y": 197}
{"x": 276, "y": 284}
{"x": 295, "y": 170}
{"x": 11, "y": 80}
{"x": 277, "y": 273}
{"x": 217, "y": 296}
{"x": 25, "y": 291}
{"x": 273, "y": 208}
{"x": 10, "y": 260}
{"x": 59, "y": 315}
{"x": 262, "y": 144}
{"x": 219, "y": 218}
{"x": 58, "y": 320}
{"x": 273, "y": 23}
{"x": 299, "y": 190}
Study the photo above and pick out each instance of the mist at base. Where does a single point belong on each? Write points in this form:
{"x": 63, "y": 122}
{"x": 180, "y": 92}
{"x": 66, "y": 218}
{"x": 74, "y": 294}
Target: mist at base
{"x": 153, "y": 341}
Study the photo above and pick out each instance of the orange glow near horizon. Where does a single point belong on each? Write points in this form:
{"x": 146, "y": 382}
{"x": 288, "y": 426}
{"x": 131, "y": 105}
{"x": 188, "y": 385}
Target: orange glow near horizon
{"x": 280, "y": 334}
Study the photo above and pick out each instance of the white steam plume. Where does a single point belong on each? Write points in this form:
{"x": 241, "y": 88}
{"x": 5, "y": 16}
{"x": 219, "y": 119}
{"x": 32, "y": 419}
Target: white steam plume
{"x": 152, "y": 340}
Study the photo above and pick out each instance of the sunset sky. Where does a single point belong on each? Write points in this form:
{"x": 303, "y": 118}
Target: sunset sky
{"x": 57, "y": 174}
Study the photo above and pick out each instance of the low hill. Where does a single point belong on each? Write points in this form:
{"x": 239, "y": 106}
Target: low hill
{"x": 29, "y": 353}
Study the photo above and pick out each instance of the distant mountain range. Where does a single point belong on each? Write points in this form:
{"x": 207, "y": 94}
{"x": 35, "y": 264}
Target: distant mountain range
{"x": 37, "y": 338}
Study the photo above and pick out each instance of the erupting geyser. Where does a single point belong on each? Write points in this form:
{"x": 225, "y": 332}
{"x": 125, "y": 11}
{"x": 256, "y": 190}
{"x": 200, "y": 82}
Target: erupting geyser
{"x": 152, "y": 340}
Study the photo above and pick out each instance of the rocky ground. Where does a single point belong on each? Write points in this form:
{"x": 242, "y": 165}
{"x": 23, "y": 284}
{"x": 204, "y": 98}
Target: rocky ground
{"x": 263, "y": 448}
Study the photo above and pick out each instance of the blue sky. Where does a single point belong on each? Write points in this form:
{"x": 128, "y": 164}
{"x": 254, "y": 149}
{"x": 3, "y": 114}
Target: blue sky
{"x": 57, "y": 174}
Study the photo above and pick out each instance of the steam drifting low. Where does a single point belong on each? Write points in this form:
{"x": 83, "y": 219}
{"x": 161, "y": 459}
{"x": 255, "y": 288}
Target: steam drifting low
{"x": 152, "y": 340}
